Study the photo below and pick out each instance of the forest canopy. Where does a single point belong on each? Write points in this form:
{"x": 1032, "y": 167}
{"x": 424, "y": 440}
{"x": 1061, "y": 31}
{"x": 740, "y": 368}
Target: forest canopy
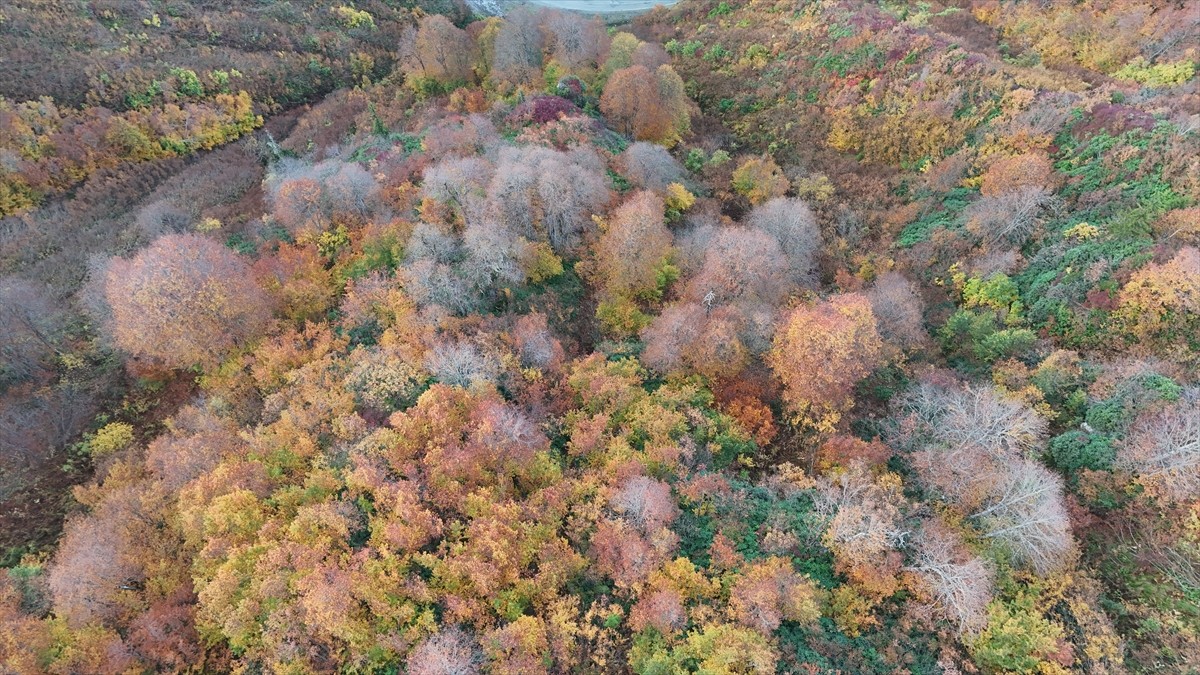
{"x": 746, "y": 337}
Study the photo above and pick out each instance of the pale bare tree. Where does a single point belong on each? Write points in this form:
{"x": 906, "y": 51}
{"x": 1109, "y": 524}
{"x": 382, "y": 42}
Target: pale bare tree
{"x": 898, "y": 310}
{"x": 791, "y": 223}
{"x": 1162, "y": 450}
{"x": 961, "y": 584}
{"x": 1027, "y": 514}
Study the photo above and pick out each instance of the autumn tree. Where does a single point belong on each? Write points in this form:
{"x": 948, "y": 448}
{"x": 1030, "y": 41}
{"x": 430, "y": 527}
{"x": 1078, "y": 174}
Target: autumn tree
{"x": 864, "y": 526}
{"x": 647, "y": 105}
{"x": 741, "y": 266}
{"x": 308, "y": 200}
{"x": 165, "y": 634}
{"x": 92, "y": 566}
{"x": 296, "y": 279}
{"x": 670, "y": 337}
{"x": 820, "y": 352}
{"x": 634, "y": 247}
{"x": 185, "y": 299}
{"x": 626, "y": 553}
{"x": 770, "y": 592}
{"x": 436, "y": 50}
{"x": 195, "y": 441}
{"x": 518, "y": 648}
{"x": 645, "y": 502}
{"x": 1161, "y": 301}
{"x": 1011, "y": 173}
{"x": 1162, "y": 450}
{"x": 760, "y": 179}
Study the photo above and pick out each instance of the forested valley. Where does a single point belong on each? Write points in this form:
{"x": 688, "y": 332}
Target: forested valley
{"x": 754, "y": 336}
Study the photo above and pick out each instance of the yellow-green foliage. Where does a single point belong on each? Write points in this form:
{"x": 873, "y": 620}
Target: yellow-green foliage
{"x": 542, "y": 264}
{"x": 110, "y": 438}
{"x": 354, "y": 18}
{"x": 1157, "y": 74}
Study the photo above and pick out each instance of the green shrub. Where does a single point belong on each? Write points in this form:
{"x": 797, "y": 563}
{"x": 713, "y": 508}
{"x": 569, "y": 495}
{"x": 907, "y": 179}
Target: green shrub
{"x": 1016, "y": 639}
{"x": 1077, "y": 450}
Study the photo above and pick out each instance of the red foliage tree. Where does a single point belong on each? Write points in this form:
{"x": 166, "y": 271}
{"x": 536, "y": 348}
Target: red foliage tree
{"x": 661, "y": 610}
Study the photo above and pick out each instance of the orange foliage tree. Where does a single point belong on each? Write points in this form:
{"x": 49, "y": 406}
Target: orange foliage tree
{"x": 820, "y": 352}
{"x": 1161, "y": 302}
{"x": 634, "y": 246}
{"x": 650, "y": 106}
{"x": 185, "y": 299}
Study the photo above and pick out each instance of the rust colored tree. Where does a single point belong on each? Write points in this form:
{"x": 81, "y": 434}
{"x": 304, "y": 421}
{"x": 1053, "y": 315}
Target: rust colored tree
{"x": 648, "y": 105}
{"x": 633, "y": 247}
{"x": 436, "y": 50}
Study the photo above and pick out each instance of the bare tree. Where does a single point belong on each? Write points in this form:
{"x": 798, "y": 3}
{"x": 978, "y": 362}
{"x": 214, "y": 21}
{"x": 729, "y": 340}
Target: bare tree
{"x": 864, "y": 519}
{"x": 961, "y": 584}
{"x": 460, "y": 182}
{"x": 1163, "y": 451}
{"x": 1010, "y": 217}
{"x": 651, "y": 167}
{"x": 545, "y": 195}
{"x": 30, "y": 325}
{"x": 899, "y": 310}
{"x": 577, "y": 43}
{"x": 1026, "y": 513}
{"x": 793, "y": 225}
{"x": 645, "y": 502}
{"x": 450, "y": 651}
{"x": 461, "y": 364}
{"x": 519, "y": 47}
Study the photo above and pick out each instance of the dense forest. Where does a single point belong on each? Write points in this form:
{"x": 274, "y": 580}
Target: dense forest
{"x": 757, "y": 336}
